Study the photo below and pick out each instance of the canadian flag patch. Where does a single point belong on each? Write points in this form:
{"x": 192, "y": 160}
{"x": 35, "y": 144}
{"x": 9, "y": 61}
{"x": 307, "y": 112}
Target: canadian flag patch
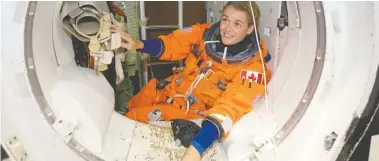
{"x": 252, "y": 76}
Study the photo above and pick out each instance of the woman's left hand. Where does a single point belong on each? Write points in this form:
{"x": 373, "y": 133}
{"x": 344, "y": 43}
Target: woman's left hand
{"x": 128, "y": 42}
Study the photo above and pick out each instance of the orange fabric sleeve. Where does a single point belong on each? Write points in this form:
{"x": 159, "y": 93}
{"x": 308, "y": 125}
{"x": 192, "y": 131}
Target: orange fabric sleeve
{"x": 177, "y": 45}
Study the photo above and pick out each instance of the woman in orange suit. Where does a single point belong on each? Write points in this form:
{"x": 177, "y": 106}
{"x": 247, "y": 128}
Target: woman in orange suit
{"x": 222, "y": 77}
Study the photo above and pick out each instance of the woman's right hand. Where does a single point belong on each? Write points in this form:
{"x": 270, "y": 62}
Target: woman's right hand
{"x": 128, "y": 41}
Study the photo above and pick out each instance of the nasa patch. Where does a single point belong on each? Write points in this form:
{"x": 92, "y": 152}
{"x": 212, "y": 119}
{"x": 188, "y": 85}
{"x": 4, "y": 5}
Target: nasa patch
{"x": 252, "y": 76}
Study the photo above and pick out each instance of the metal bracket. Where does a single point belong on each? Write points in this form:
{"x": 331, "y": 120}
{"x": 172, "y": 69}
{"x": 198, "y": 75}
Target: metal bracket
{"x": 65, "y": 127}
{"x": 16, "y": 149}
{"x": 282, "y": 23}
{"x": 329, "y": 141}
{"x": 262, "y": 145}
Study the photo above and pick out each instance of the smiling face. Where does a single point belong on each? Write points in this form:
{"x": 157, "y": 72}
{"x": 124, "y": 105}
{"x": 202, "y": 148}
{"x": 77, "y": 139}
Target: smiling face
{"x": 234, "y": 26}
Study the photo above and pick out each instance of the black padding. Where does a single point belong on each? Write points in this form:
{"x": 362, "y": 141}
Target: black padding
{"x": 184, "y": 130}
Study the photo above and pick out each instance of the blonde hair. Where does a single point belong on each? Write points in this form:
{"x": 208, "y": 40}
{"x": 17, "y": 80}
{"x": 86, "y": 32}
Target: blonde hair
{"x": 244, "y": 6}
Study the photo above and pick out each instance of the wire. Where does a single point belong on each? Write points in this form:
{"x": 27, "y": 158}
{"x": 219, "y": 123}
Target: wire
{"x": 151, "y": 68}
{"x": 264, "y": 73}
{"x": 260, "y": 54}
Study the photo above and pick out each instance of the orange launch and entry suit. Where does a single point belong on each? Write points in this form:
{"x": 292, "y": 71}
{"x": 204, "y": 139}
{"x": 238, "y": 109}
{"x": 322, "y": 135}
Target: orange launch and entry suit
{"x": 219, "y": 90}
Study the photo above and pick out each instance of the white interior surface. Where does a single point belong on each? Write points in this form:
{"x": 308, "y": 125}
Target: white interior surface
{"x": 270, "y": 11}
{"x": 20, "y": 112}
{"x": 346, "y": 82}
{"x": 71, "y": 91}
{"x": 63, "y": 45}
{"x": 374, "y": 148}
{"x": 75, "y": 95}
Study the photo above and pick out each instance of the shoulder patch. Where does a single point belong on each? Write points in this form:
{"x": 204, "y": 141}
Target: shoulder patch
{"x": 252, "y": 76}
{"x": 186, "y": 29}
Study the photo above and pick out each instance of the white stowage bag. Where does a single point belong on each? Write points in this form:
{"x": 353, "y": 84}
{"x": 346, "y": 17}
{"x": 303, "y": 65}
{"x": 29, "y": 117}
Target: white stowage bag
{"x": 248, "y": 134}
{"x": 88, "y": 100}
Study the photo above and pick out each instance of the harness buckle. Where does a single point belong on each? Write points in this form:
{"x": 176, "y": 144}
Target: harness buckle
{"x": 208, "y": 74}
{"x": 155, "y": 115}
{"x": 195, "y": 50}
{"x": 221, "y": 85}
{"x": 176, "y": 70}
{"x": 191, "y": 100}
